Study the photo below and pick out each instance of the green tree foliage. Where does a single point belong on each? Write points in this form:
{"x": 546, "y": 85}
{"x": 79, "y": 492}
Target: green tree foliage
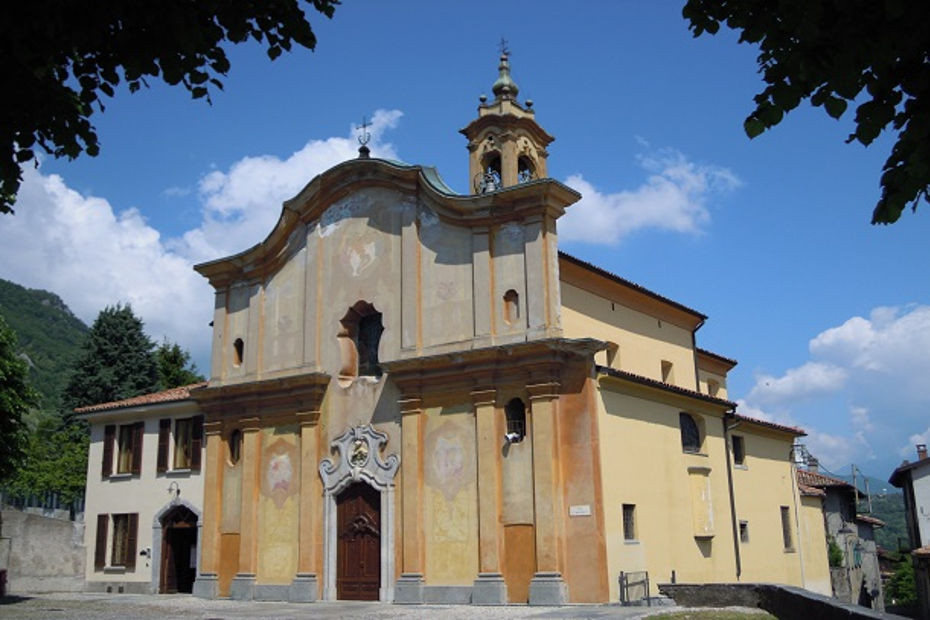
{"x": 901, "y": 588}
{"x": 16, "y": 397}
{"x": 837, "y": 52}
{"x": 174, "y": 366}
{"x": 61, "y": 58}
{"x": 116, "y": 362}
{"x": 49, "y": 338}
{"x": 834, "y": 553}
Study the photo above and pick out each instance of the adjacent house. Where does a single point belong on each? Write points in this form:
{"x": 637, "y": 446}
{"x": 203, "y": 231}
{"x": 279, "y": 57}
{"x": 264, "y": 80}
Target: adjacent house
{"x": 416, "y": 397}
{"x": 914, "y": 480}
{"x": 855, "y": 574}
{"x": 144, "y": 493}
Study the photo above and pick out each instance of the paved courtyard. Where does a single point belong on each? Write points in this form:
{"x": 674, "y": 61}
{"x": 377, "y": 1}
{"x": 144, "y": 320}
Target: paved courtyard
{"x": 85, "y": 606}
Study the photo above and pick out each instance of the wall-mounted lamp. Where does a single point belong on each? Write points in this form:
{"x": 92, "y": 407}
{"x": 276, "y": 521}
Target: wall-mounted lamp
{"x": 174, "y": 489}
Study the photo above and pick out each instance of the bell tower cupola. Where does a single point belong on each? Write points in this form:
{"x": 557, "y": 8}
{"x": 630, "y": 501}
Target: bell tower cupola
{"x": 505, "y": 144}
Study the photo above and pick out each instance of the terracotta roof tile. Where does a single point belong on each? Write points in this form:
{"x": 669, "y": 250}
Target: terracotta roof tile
{"x": 871, "y": 520}
{"x": 631, "y": 376}
{"x": 816, "y": 479}
{"x": 165, "y": 396}
{"x": 921, "y": 552}
{"x": 728, "y": 360}
{"x": 811, "y": 491}
{"x": 779, "y": 427}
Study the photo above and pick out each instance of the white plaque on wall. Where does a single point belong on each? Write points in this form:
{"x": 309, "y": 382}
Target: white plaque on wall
{"x": 584, "y": 510}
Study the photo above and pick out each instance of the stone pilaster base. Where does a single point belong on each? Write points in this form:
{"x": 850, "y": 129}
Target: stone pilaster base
{"x": 409, "y": 589}
{"x": 303, "y": 589}
{"x": 490, "y": 589}
{"x": 242, "y": 586}
{"x": 548, "y": 589}
{"x": 207, "y": 585}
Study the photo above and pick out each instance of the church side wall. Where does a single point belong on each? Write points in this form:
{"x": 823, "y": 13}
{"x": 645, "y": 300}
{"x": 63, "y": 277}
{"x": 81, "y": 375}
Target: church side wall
{"x": 762, "y": 485}
{"x": 681, "y": 514}
{"x": 644, "y": 341}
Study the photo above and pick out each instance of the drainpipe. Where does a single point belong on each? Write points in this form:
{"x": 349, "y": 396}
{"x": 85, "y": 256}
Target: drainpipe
{"x": 797, "y": 516}
{"x": 730, "y": 415}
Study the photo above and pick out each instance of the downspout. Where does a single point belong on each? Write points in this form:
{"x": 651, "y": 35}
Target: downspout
{"x": 729, "y": 415}
{"x": 797, "y": 513}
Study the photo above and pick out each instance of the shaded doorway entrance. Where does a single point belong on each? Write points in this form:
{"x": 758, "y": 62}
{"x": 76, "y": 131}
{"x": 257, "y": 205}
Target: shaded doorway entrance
{"x": 178, "y": 552}
{"x": 358, "y": 555}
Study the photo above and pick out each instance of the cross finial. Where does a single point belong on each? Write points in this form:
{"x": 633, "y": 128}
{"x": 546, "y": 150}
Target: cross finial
{"x": 505, "y": 51}
{"x": 364, "y": 137}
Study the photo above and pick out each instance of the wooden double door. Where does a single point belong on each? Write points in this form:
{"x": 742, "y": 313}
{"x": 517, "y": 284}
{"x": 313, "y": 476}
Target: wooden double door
{"x": 358, "y": 560}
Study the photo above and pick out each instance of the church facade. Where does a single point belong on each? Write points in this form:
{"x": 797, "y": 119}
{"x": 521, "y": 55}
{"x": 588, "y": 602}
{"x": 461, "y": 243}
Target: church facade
{"x": 416, "y": 397}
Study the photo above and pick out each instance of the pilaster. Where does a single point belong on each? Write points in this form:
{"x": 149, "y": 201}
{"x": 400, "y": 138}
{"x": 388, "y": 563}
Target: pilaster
{"x": 409, "y": 587}
{"x": 305, "y": 588}
{"x": 244, "y": 581}
{"x": 489, "y": 587}
{"x": 206, "y": 584}
{"x": 547, "y": 586}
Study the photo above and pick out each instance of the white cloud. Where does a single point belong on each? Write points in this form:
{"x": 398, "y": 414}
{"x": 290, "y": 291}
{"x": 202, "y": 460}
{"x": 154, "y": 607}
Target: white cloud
{"x": 810, "y": 379}
{"x": 92, "y": 254}
{"x": 242, "y": 204}
{"x": 673, "y": 197}
{"x": 876, "y": 368}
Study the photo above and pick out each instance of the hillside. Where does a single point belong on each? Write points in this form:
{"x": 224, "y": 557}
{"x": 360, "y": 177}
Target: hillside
{"x": 49, "y": 336}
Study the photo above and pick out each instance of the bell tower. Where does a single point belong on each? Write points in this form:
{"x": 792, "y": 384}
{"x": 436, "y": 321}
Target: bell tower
{"x": 505, "y": 144}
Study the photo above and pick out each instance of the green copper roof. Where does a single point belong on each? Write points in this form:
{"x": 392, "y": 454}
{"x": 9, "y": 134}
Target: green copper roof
{"x": 505, "y": 87}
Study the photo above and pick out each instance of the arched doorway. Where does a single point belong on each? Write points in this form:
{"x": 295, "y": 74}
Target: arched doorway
{"x": 358, "y": 559}
{"x": 178, "y": 551}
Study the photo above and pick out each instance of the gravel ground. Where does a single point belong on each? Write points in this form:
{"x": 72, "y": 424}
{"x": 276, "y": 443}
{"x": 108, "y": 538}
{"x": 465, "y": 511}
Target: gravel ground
{"x": 84, "y": 606}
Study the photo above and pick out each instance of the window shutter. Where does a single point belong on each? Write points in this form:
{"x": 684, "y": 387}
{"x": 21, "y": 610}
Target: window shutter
{"x": 196, "y": 442}
{"x": 109, "y": 437}
{"x": 130, "y": 562}
{"x": 137, "y": 430}
{"x": 164, "y": 432}
{"x": 100, "y": 551}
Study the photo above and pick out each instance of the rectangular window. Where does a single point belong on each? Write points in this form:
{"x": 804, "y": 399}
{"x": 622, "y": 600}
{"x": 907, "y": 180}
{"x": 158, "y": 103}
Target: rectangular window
{"x": 668, "y": 375}
{"x": 124, "y": 454}
{"x": 786, "y": 528}
{"x": 629, "y": 522}
{"x": 744, "y": 531}
{"x": 182, "y": 443}
{"x": 713, "y": 387}
{"x": 123, "y": 546}
{"x": 739, "y": 450}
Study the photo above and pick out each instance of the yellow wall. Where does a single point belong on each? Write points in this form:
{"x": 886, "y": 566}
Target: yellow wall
{"x": 683, "y": 516}
{"x": 643, "y": 464}
{"x": 451, "y": 496}
{"x": 762, "y": 485}
{"x": 814, "y": 546}
{"x": 643, "y": 340}
{"x": 277, "y": 506}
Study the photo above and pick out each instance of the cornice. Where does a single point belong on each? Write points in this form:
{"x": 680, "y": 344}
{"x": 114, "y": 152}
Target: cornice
{"x": 537, "y": 362}
{"x": 541, "y": 196}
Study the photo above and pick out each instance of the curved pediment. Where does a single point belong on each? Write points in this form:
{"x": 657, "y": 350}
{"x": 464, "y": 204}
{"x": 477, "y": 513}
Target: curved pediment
{"x": 422, "y": 184}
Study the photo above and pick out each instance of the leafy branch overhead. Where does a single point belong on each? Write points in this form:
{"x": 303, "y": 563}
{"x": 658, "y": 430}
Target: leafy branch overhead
{"x": 874, "y": 55}
{"x": 61, "y": 58}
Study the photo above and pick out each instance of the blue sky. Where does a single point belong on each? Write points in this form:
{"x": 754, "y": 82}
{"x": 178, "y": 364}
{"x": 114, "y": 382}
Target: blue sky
{"x": 828, "y": 315}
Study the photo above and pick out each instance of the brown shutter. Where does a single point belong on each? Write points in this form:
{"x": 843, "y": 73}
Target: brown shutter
{"x": 164, "y": 432}
{"x": 137, "y": 431}
{"x": 196, "y": 441}
{"x": 100, "y": 551}
{"x": 109, "y": 436}
{"x": 130, "y": 562}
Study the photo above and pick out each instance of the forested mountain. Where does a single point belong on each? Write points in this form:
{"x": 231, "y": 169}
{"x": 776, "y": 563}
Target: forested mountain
{"x": 49, "y": 336}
